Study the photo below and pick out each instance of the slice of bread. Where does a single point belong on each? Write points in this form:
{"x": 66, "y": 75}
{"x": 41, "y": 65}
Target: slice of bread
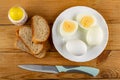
{"x": 20, "y": 45}
{"x": 25, "y": 34}
{"x": 40, "y": 29}
{"x": 41, "y": 54}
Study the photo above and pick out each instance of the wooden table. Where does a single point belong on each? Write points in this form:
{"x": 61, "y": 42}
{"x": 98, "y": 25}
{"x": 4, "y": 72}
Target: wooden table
{"x": 108, "y": 62}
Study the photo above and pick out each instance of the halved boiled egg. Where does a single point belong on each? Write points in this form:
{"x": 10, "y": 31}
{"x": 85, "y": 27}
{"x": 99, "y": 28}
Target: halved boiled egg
{"x": 86, "y": 21}
{"x": 68, "y": 28}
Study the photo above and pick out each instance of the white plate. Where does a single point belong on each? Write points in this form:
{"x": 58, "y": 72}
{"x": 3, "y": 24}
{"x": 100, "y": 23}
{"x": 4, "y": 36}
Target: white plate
{"x": 59, "y": 42}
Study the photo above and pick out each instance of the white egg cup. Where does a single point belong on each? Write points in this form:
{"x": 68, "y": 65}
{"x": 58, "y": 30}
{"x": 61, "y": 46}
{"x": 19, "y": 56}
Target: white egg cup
{"x": 21, "y": 21}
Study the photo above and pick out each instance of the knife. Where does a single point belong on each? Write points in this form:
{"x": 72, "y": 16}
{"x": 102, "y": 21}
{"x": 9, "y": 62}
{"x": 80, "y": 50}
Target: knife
{"x": 56, "y": 69}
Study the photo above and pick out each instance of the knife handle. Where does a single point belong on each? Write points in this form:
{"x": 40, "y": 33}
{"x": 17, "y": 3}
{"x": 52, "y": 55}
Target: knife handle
{"x": 89, "y": 70}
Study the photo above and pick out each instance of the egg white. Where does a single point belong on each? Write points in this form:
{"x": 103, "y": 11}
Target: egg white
{"x": 76, "y": 47}
{"x": 94, "y": 36}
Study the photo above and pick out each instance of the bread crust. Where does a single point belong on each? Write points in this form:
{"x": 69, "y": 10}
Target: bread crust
{"x": 36, "y": 41}
{"x": 42, "y": 53}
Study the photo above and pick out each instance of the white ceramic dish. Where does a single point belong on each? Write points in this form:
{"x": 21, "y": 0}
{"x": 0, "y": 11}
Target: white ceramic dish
{"x": 59, "y": 42}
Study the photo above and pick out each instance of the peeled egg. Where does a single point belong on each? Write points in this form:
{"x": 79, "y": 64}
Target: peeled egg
{"x": 68, "y": 28}
{"x": 94, "y": 36}
{"x": 86, "y": 21}
{"x": 76, "y": 47}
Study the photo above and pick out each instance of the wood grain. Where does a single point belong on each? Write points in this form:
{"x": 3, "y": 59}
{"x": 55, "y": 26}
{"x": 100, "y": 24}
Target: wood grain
{"x": 50, "y": 59}
{"x": 9, "y": 69}
{"x": 50, "y": 9}
{"x": 108, "y": 62}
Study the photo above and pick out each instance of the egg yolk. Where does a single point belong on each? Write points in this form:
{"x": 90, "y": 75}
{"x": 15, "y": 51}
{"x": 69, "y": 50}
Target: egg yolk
{"x": 16, "y": 13}
{"x": 68, "y": 26}
{"x": 87, "y": 21}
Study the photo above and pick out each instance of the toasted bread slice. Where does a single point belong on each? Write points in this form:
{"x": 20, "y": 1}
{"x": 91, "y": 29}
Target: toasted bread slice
{"x": 40, "y": 29}
{"x": 20, "y": 45}
{"x": 25, "y": 34}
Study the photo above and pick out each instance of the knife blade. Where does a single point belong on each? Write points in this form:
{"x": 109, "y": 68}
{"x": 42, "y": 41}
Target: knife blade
{"x": 56, "y": 69}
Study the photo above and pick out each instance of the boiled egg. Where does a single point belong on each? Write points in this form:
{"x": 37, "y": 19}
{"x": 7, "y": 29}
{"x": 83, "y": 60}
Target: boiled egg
{"x": 86, "y": 21}
{"x": 76, "y": 47}
{"x": 94, "y": 36}
{"x": 68, "y": 28}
